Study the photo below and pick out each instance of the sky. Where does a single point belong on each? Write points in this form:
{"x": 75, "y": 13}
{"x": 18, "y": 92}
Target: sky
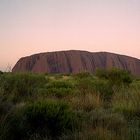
{"x": 33, "y": 26}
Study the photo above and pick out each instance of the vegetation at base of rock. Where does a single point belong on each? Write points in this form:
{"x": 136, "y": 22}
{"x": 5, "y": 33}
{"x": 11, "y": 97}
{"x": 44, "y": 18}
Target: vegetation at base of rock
{"x": 48, "y": 118}
{"x": 82, "y": 106}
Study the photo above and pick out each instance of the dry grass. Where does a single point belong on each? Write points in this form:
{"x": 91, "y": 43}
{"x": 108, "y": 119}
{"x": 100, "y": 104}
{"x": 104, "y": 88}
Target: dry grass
{"x": 127, "y": 100}
{"x": 86, "y": 102}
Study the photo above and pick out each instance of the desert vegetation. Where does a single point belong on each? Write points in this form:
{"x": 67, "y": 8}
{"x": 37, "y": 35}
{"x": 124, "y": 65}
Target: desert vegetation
{"x": 82, "y": 106}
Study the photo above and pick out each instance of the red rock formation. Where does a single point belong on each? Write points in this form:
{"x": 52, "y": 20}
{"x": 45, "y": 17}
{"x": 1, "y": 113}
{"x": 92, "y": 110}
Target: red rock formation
{"x": 75, "y": 61}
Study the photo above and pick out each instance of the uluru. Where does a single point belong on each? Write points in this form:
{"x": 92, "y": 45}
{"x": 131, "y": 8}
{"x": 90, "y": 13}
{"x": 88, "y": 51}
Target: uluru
{"x": 74, "y": 61}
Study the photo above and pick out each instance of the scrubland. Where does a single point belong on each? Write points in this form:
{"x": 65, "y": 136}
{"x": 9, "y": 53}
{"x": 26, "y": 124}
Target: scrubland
{"x": 82, "y": 106}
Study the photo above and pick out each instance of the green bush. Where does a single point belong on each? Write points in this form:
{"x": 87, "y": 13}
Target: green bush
{"x": 59, "y": 88}
{"x": 101, "y": 73}
{"x": 48, "y": 118}
{"x": 85, "y": 85}
{"x": 134, "y": 129}
{"x": 111, "y": 80}
{"x": 60, "y": 84}
{"x": 22, "y": 84}
{"x": 107, "y": 119}
{"x": 100, "y": 124}
{"x": 57, "y": 92}
{"x": 94, "y": 85}
{"x": 5, "y": 105}
{"x": 127, "y": 101}
{"x": 115, "y": 76}
{"x": 104, "y": 88}
{"x": 82, "y": 75}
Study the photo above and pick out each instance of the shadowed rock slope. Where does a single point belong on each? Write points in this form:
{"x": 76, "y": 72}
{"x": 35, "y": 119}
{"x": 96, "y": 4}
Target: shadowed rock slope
{"x": 75, "y": 61}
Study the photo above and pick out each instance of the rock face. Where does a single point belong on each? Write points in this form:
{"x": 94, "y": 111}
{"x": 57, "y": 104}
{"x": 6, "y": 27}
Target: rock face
{"x": 75, "y": 61}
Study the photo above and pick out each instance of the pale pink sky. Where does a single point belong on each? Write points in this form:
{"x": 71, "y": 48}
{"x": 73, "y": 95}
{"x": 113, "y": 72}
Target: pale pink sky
{"x": 34, "y": 26}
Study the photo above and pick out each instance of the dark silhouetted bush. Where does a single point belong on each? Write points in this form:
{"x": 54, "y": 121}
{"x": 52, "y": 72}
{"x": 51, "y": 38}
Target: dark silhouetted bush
{"x": 48, "y": 118}
{"x": 1, "y": 72}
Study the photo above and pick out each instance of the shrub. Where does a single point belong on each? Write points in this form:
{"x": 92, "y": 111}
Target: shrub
{"x": 102, "y": 118}
{"x": 111, "y": 80}
{"x": 104, "y": 88}
{"x": 87, "y": 102}
{"x": 1, "y": 72}
{"x": 115, "y": 76}
{"x": 22, "y": 84}
{"x": 101, "y": 73}
{"x": 59, "y": 88}
{"x": 60, "y": 84}
{"x": 82, "y": 75}
{"x": 93, "y": 85}
{"x": 100, "y": 124}
{"x": 44, "y": 118}
{"x": 127, "y": 101}
{"x": 5, "y": 105}
{"x": 134, "y": 129}
{"x": 85, "y": 85}
{"x": 96, "y": 134}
